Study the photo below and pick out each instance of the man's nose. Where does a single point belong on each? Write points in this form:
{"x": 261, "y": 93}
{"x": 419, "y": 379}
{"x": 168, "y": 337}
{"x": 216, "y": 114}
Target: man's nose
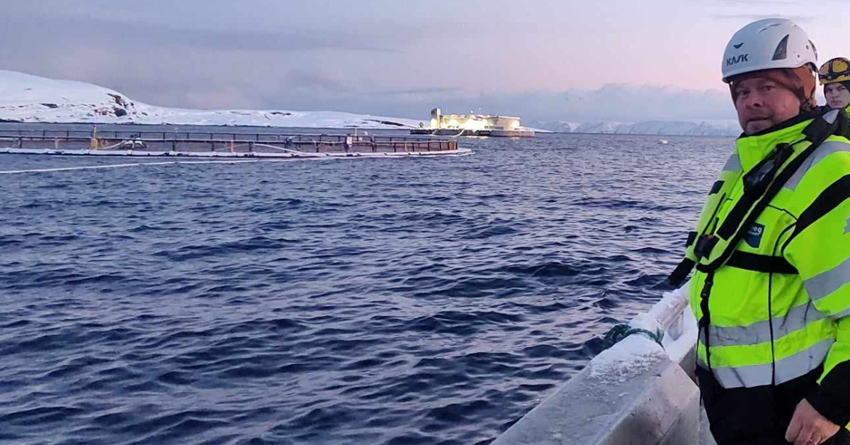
{"x": 754, "y": 100}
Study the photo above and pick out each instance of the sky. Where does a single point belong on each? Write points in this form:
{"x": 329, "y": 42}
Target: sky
{"x": 551, "y": 60}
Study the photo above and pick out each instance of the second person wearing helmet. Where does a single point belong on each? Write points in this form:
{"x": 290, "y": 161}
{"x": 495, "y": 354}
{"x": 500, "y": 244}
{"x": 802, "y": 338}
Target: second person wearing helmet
{"x": 835, "y": 77}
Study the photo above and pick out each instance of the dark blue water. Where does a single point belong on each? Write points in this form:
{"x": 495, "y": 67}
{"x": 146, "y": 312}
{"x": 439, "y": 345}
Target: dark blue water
{"x": 409, "y": 301}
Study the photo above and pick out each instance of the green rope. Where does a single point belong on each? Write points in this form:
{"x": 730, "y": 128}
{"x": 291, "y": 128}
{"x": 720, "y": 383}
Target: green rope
{"x": 621, "y": 331}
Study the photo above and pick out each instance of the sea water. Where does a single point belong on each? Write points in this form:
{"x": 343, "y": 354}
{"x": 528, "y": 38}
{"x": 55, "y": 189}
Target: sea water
{"x": 390, "y": 301}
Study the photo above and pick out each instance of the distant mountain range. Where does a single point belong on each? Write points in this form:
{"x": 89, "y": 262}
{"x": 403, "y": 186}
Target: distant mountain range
{"x": 665, "y": 128}
{"x": 28, "y": 98}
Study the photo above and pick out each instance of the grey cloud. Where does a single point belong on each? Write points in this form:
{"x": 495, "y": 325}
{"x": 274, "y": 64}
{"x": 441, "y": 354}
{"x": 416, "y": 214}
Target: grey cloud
{"x": 419, "y": 91}
{"x": 312, "y": 79}
{"x": 100, "y": 32}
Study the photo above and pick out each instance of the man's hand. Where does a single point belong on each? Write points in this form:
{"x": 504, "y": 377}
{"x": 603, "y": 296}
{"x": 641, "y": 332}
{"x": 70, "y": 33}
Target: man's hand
{"x": 808, "y": 427}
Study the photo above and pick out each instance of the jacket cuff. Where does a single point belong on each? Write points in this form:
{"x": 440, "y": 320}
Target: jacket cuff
{"x": 825, "y": 407}
{"x": 831, "y": 398}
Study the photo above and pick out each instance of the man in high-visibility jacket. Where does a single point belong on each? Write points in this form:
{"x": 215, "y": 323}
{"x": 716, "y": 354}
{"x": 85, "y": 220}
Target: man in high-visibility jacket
{"x": 834, "y": 75}
{"x": 771, "y": 290}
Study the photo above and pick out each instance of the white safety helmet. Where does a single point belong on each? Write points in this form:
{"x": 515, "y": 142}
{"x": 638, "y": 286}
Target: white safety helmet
{"x": 768, "y": 44}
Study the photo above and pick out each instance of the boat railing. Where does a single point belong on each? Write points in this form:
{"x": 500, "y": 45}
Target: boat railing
{"x": 636, "y": 392}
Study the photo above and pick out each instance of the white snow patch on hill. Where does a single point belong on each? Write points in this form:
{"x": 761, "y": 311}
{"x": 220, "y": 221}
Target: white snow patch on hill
{"x": 27, "y": 98}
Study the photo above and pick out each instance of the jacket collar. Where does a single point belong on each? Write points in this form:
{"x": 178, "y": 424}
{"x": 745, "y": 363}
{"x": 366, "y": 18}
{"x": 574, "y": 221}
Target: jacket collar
{"x": 754, "y": 148}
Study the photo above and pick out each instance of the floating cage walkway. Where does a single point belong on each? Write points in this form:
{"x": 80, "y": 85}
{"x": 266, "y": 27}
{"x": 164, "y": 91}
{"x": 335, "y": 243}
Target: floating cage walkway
{"x": 221, "y": 145}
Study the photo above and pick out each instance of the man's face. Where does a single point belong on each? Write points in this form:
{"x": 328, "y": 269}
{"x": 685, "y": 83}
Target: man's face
{"x": 837, "y": 95}
{"x": 762, "y": 103}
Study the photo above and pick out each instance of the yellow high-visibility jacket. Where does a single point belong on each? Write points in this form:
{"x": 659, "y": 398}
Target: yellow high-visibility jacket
{"x": 779, "y": 309}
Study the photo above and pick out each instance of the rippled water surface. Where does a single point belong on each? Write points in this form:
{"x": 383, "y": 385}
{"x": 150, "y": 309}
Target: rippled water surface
{"x": 395, "y": 301}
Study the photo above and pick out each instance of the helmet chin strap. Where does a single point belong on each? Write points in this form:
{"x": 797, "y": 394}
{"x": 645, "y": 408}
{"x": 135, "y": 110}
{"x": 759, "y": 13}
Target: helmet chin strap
{"x": 808, "y": 104}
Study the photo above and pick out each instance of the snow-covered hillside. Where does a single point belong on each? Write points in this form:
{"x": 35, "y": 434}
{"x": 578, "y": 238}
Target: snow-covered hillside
{"x": 27, "y": 98}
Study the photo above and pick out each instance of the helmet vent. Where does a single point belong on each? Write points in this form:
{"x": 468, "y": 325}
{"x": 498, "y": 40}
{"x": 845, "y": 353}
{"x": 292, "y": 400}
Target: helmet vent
{"x": 768, "y": 26}
{"x": 781, "y": 52}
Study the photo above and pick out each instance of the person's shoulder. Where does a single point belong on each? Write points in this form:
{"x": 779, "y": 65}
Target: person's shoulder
{"x": 827, "y": 164}
{"x": 834, "y": 151}
{"x": 834, "y": 144}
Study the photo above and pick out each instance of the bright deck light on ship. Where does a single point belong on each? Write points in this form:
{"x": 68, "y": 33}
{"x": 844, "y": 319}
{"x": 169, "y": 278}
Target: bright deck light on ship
{"x": 475, "y": 125}
{"x": 434, "y": 123}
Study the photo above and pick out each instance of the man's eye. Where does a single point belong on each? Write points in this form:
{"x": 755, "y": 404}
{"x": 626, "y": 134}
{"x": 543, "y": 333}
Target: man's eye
{"x": 767, "y": 88}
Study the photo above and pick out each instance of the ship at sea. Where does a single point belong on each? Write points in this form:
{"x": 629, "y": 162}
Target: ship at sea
{"x": 473, "y": 125}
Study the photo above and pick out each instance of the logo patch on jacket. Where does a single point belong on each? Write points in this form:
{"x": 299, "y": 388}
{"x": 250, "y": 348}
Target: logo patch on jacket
{"x": 753, "y": 237}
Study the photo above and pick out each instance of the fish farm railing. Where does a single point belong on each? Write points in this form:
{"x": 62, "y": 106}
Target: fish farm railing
{"x": 222, "y": 142}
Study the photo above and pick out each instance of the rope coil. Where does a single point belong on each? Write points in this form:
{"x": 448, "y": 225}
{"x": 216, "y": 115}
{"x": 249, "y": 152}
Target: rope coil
{"x": 621, "y": 331}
